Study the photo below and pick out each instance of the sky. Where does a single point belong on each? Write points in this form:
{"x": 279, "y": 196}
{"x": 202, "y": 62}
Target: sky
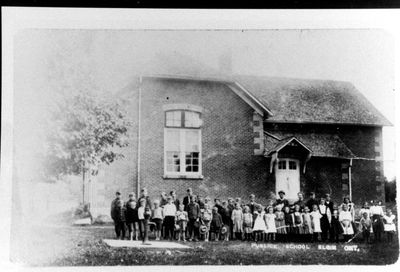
{"x": 47, "y": 61}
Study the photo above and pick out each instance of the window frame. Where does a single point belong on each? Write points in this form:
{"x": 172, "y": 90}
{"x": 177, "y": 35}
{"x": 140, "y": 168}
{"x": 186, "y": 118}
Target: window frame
{"x": 182, "y": 174}
{"x": 182, "y": 118}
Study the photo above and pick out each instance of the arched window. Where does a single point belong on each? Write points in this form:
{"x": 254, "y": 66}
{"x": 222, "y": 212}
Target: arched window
{"x": 182, "y": 143}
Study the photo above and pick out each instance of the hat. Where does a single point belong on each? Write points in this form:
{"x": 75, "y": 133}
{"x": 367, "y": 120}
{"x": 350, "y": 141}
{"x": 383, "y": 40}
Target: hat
{"x": 224, "y": 230}
{"x": 281, "y": 192}
{"x": 203, "y": 229}
{"x": 118, "y": 193}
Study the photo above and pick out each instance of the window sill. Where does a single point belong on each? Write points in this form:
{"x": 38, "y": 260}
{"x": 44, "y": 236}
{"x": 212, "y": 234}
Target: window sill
{"x": 182, "y": 176}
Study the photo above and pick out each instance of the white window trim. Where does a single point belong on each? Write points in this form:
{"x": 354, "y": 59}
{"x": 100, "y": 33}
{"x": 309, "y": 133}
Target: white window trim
{"x": 183, "y": 174}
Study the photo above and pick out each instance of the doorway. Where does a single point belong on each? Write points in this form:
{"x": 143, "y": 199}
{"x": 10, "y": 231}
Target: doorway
{"x": 287, "y": 176}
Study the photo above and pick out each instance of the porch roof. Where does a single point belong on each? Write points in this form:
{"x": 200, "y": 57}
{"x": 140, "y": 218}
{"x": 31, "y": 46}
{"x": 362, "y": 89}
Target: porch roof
{"x": 320, "y": 144}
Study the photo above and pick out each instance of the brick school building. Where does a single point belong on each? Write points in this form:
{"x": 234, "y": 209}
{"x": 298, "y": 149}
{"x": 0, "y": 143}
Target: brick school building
{"x": 230, "y": 137}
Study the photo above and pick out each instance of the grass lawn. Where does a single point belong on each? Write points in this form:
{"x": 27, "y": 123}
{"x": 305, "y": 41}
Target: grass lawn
{"x": 71, "y": 246}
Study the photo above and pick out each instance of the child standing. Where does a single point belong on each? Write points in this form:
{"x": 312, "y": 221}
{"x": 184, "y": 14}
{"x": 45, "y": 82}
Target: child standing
{"x": 345, "y": 219}
{"x": 259, "y": 227}
{"x": 237, "y": 219}
{"x": 365, "y": 226}
{"x": 119, "y": 219}
{"x": 269, "y": 219}
{"x": 308, "y": 231}
{"x": 389, "y": 226}
{"x": 157, "y": 216}
{"x": 169, "y": 218}
{"x": 336, "y": 227}
{"x": 182, "y": 219}
{"x": 289, "y": 223}
{"x": 297, "y": 223}
{"x": 247, "y": 223}
{"x": 131, "y": 216}
{"x": 216, "y": 224}
{"x": 141, "y": 210}
{"x": 280, "y": 224}
{"x": 206, "y": 218}
{"x": 316, "y": 223}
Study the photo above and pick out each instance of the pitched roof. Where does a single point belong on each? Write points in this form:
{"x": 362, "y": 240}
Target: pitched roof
{"x": 321, "y": 144}
{"x": 287, "y": 100}
{"x": 313, "y": 101}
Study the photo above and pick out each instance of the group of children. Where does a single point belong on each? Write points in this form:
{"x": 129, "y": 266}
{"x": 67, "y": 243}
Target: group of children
{"x": 197, "y": 218}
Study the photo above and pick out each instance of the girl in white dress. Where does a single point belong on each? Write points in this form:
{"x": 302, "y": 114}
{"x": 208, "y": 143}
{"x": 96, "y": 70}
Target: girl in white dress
{"x": 345, "y": 218}
{"x": 259, "y": 225}
{"x": 315, "y": 216}
{"x": 389, "y": 225}
{"x": 269, "y": 219}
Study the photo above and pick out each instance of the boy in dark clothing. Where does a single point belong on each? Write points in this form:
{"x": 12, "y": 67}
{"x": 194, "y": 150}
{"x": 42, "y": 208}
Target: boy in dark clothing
{"x": 118, "y": 215}
{"x": 193, "y": 211}
{"x": 216, "y": 224}
{"x": 252, "y": 203}
{"x": 131, "y": 217}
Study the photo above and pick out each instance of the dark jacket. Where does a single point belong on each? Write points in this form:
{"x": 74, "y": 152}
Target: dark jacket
{"x": 186, "y": 202}
{"x": 301, "y": 203}
{"x": 193, "y": 210}
{"x": 177, "y": 203}
{"x": 284, "y": 201}
{"x": 119, "y": 214}
{"x": 226, "y": 216}
{"x": 252, "y": 206}
{"x": 131, "y": 214}
{"x": 330, "y": 206}
{"x": 216, "y": 221}
{"x": 311, "y": 202}
{"x": 113, "y": 208}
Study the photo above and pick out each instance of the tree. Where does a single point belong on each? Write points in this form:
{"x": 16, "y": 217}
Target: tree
{"x": 87, "y": 132}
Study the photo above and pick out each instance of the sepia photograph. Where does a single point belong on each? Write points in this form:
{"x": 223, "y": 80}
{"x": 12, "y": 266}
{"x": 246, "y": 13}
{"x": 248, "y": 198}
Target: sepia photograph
{"x": 210, "y": 146}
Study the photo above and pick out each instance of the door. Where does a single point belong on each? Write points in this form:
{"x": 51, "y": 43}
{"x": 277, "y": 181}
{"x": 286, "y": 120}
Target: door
{"x": 287, "y": 175}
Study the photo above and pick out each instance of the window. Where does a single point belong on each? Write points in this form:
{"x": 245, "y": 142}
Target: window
{"x": 292, "y": 165}
{"x": 182, "y": 144}
{"x": 282, "y": 164}
{"x": 182, "y": 118}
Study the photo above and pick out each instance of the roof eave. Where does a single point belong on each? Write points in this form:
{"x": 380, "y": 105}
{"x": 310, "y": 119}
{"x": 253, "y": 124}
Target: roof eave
{"x": 327, "y": 123}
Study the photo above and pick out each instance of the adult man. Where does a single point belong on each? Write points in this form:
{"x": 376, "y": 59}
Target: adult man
{"x": 281, "y": 200}
{"x": 300, "y": 201}
{"x": 186, "y": 199}
{"x": 329, "y": 203}
{"x": 252, "y": 203}
{"x": 193, "y": 211}
{"x": 312, "y": 201}
{"x": 175, "y": 200}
